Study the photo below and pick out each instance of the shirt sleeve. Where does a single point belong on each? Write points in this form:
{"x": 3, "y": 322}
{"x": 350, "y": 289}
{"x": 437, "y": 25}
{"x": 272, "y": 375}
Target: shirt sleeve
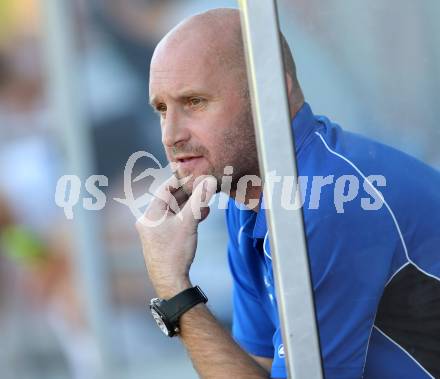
{"x": 252, "y": 328}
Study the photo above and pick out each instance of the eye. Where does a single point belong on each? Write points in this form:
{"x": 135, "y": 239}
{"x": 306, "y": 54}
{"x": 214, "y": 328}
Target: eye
{"x": 195, "y": 102}
{"x": 161, "y": 108}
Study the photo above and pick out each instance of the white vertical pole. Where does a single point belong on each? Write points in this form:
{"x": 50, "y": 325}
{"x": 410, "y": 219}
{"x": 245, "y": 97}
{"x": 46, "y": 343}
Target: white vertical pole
{"x": 276, "y": 153}
{"x": 66, "y": 100}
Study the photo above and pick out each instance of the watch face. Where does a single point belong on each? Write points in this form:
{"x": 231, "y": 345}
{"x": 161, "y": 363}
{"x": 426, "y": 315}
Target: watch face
{"x": 160, "y": 322}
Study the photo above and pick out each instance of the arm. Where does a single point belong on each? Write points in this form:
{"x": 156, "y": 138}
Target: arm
{"x": 264, "y": 362}
{"x": 169, "y": 250}
{"x": 212, "y": 350}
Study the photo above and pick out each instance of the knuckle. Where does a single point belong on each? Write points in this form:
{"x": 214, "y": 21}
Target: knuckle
{"x": 138, "y": 223}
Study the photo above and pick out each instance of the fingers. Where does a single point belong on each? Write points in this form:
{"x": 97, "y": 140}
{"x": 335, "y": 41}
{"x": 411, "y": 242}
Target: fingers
{"x": 170, "y": 198}
{"x": 196, "y": 209}
{"x": 177, "y": 201}
{"x": 162, "y": 194}
{"x": 163, "y": 200}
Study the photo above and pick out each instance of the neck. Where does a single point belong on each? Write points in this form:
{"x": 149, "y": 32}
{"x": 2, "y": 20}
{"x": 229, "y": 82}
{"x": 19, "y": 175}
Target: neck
{"x": 252, "y": 196}
{"x": 295, "y": 104}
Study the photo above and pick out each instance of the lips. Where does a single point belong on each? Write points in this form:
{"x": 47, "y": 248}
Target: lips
{"x": 189, "y": 162}
{"x": 187, "y": 158}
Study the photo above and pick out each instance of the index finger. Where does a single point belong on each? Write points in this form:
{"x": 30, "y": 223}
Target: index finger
{"x": 161, "y": 197}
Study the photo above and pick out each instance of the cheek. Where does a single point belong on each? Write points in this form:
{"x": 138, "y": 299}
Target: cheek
{"x": 208, "y": 135}
{"x": 226, "y": 136}
{"x": 224, "y": 148}
{"x": 240, "y": 146}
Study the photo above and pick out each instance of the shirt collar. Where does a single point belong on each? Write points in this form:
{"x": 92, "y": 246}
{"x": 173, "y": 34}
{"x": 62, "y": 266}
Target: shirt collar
{"x": 303, "y": 124}
{"x": 260, "y": 226}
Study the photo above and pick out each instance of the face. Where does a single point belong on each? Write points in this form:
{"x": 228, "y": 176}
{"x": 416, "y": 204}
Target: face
{"x": 205, "y": 117}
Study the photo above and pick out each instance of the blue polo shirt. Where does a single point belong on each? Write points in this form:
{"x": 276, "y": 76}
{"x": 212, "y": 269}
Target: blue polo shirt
{"x": 374, "y": 258}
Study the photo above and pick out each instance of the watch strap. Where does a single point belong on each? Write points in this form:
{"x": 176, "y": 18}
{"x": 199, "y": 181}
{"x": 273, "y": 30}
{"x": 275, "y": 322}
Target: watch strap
{"x": 182, "y": 302}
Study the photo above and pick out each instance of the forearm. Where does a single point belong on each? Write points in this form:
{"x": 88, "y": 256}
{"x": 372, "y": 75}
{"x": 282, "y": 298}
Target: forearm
{"x": 169, "y": 251}
{"x": 213, "y": 351}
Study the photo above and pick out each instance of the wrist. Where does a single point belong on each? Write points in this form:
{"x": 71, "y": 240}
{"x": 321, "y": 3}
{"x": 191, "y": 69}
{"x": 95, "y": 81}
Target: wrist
{"x": 168, "y": 290}
{"x": 168, "y": 312}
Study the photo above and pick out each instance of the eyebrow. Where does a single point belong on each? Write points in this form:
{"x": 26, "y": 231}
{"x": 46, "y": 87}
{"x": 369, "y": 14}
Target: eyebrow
{"x": 183, "y": 95}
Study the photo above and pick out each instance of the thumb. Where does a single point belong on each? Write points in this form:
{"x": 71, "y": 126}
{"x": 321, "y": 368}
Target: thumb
{"x": 196, "y": 209}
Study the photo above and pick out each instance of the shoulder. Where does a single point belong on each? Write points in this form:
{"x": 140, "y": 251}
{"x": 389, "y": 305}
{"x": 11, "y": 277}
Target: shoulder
{"x": 407, "y": 190}
{"x": 334, "y": 151}
{"x": 342, "y": 149}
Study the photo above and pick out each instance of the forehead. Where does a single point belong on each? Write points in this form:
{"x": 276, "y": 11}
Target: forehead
{"x": 186, "y": 67}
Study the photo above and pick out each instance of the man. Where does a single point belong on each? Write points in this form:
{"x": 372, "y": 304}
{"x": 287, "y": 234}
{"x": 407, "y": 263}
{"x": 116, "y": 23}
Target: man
{"x": 374, "y": 262}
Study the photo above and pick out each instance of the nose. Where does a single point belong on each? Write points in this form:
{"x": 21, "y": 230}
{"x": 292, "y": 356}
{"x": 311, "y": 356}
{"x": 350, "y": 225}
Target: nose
{"x": 174, "y": 130}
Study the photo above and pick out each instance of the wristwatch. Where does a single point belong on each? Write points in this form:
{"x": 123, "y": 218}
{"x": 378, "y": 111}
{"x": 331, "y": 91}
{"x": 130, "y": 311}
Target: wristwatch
{"x": 167, "y": 313}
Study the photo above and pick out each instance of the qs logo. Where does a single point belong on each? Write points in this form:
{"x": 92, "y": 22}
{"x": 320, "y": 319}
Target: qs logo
{"x": 68, "y": 189}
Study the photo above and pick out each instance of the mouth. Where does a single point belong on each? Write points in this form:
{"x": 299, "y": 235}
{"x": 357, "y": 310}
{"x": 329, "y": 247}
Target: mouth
{"x": 188, "y": 162}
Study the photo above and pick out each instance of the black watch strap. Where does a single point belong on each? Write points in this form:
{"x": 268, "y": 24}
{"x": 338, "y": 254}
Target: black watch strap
{"x": 182, "y": 302}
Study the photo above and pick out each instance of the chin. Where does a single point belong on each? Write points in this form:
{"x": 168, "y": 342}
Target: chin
{"x": 188, "y": 186}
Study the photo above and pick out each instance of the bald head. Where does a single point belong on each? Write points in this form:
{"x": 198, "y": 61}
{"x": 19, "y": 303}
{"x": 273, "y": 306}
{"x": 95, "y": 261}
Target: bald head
{"x": 217, "y": 34}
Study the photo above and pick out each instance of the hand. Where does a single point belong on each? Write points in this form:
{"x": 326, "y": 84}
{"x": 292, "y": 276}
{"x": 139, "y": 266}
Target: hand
{"x": 168, "y": 232}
